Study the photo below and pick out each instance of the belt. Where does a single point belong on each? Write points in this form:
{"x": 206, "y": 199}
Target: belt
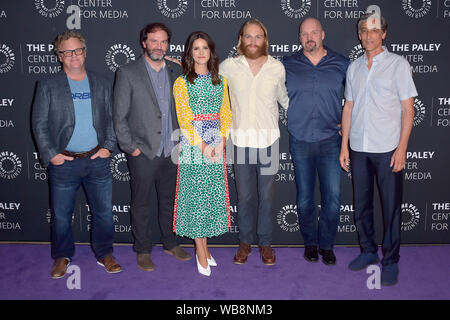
{"x": 210, "y": 116}
{"x": 80, "y": 154}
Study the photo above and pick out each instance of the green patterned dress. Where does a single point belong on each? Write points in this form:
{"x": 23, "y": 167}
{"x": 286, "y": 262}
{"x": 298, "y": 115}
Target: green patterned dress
{"x": 201, "y": 200}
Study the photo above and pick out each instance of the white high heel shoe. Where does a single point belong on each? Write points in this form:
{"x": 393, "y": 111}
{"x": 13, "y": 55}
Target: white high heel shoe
{"x": 212, "y": 262}
{"x": 201, "y": 270}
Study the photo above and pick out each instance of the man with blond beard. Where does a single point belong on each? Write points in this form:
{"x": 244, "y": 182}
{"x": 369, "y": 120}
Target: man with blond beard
{"x": 257, "y": 83}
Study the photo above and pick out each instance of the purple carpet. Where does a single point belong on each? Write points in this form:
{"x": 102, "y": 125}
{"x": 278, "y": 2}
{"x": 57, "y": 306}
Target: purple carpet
{"x": 424, "y": 274}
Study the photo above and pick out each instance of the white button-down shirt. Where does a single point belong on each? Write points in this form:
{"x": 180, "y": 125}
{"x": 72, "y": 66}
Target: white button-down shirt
{"x": 377, "y": 94}
{"x": 254, "y": 100}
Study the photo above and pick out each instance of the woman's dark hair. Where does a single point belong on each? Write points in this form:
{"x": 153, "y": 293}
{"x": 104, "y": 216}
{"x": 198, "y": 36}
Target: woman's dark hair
{"x": 188, "y": 62}
{"x": 153, "y": 27}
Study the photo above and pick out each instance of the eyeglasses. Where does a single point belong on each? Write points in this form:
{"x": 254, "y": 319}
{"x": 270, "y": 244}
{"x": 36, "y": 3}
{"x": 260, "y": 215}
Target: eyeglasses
{"x": 69, "y": 53}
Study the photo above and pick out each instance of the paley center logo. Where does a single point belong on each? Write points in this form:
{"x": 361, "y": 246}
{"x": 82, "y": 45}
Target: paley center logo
{"x": 118, "y": 166}
{"x": 287, "y": 218}
{"x": 10, "y": 165}
{"x": 410, "y": 217}
{"x": 118, "y": 55}
{"x": 419, "y": 111}
{"x": 170, "y": 11}
{"x": 7, "y": 58}
{"x": 414, "y": 11}
{"x": 356, "y": 52}
{"x": 49, "y": 11}
{"x": 297, "y": 11}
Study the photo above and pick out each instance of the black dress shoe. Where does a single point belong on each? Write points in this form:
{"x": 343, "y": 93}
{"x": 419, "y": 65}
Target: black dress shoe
{"x": 328, "y": 257}
{"x": 311, "y": 254}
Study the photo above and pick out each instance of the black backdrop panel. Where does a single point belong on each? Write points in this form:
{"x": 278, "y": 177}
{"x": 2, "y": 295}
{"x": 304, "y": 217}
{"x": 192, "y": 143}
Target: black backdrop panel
{"x": 418, "y": 30}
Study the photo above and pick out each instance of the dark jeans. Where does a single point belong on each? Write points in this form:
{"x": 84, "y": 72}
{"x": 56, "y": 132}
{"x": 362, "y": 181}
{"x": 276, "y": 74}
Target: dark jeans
{"x": 321, "y": 157}
{"x": 96, "y": 179}
{"x": 255, "y": 191}
{"x": 145, "y": 174}
{"x": 364, "y": 168}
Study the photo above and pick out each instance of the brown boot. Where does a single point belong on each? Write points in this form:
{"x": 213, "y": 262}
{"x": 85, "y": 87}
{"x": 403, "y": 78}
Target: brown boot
{"x": 59, "y": 268}
{"x": 243, "y": 252}
{"x": 145, "y": 262}
{"x": 267, "y": 255}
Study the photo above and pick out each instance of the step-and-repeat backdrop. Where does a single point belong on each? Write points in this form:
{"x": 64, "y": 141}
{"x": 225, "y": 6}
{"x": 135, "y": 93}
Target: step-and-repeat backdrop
{"x": 417, "y": 29}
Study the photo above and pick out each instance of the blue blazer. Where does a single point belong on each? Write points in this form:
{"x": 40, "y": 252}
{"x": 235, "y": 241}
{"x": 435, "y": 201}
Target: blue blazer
{"x": 53, "y": 114}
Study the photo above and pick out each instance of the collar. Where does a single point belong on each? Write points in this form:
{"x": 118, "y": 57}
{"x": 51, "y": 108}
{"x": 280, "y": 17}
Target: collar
{"x": 379, "y": 57}
{"x": 149, "y": 67}
{"x": 242, "y": 60}
{"x": 330, "y": 53}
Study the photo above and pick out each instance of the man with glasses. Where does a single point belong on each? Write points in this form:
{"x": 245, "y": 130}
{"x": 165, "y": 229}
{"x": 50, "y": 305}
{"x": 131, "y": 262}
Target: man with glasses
{"x": 72, "y": 124}
{"x": 377, "y": 118}
{"x": 144, "y": 118}
{"x": 257, "y": 83}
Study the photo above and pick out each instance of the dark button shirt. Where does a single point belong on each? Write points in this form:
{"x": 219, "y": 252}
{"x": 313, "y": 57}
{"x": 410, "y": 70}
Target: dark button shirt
{"x": 315, "y": 95}
{"x": 160, "y": 83}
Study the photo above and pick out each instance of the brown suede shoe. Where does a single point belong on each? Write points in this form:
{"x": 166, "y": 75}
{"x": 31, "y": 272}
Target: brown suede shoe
{"x": 267, "y": 255}
{"x": 59, "y": 268}
{"x": 145, "y": 262}
{"x": 110, "y": 264}
{"x": 243, "y": 252}
{"x": 179, "y": 253}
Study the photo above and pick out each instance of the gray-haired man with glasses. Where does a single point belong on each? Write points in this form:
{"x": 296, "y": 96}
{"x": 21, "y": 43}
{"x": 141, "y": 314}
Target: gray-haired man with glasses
{"x": 73, "y": 128}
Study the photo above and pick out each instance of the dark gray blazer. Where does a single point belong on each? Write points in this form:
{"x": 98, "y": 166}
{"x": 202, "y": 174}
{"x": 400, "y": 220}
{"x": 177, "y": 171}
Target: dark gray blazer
{"x": 136, "y": 114}
{"x": 53, "y": 114}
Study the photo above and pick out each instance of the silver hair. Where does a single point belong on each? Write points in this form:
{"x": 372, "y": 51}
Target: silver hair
{"x": 366, "y": 17}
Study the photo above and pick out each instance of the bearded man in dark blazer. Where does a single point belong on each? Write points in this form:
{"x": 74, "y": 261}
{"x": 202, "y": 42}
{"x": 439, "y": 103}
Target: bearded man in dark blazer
{"x": 144, "y": 119}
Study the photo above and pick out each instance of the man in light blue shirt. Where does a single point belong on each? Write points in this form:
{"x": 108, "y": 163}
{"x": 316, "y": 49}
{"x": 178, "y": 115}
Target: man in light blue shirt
{"x": 377, "y": 117}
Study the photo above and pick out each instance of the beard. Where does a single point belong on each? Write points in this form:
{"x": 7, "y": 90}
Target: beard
{"x": 155, "y": 54}
{"x": 259, "y": 52}
{"x": 310, "y": 46}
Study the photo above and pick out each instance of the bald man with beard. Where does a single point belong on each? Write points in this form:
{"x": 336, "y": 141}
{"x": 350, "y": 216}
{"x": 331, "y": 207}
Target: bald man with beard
{"x": 315, "y": 77}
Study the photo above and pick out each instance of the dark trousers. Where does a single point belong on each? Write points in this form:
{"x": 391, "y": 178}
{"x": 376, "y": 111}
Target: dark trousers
{"x": 365, "y": 166}
{"x": 145, "y": 174}
{"x": 255, "y": 191}
{"x": 65, "y": 181}
{"x": 321, "y": 157}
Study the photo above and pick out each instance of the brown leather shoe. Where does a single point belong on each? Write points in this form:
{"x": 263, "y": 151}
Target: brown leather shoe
{"x": 145, "y": 262}
{"x": 59, "y": 268}
{"x": 267, "y": 255}
{"x": 110, "y": 264}
{"x": 243, "y": 252}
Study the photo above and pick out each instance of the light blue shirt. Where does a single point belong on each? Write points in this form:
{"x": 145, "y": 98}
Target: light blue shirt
{"x": 377, "y": 94}
{"x": 84, "y": 136}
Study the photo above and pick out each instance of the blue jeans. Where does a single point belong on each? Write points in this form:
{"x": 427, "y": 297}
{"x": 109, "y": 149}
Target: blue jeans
{"x": 255, "y": 190}
{"x": 323, "y": 157}
{"x": 65, "y": 181}
{"x": 365, "y": 166}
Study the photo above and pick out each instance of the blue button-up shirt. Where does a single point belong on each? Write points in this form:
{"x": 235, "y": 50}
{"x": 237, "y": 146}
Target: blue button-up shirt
{"x": 377, "y": 96}
{"x": 160, "y": 82}
{"x": 315, "y": 95}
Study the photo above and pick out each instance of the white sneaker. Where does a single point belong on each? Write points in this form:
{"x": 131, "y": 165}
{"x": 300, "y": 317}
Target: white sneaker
{"x": 203, "y": 271}
{"x": 212, "y": 262}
